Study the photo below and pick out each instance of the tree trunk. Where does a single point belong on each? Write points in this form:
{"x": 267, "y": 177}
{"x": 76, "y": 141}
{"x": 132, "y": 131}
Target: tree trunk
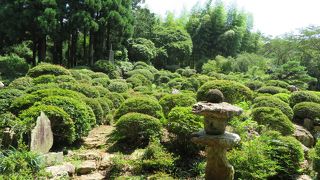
{"x": 84, "y": 44}
{"x": 34, "y": 52}
{"x": 42, "y": 45}
{"x": 90, "y": 60}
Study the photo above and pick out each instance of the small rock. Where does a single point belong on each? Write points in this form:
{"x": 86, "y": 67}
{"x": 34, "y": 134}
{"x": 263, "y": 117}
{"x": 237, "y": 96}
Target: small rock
{"x": 175, "y": 91}
{"x": 86, "y": 167}
{"x": 90, "y": 156}
{"x": 293, "y": 88}
{"x": 61, "y": 170}
{"x": 52, "y": 158}
{"x": 316, "y": 128}
{"x": 304, "y": 136}
{"x": 106, "y": 161}
{"x": 95, "y": 176}
{"x": 308, "y": 124}
{"x": 1, "y": 85}
{"x": 303, "y": 177}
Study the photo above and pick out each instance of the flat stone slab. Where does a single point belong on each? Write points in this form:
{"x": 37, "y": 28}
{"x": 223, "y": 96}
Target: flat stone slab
{"x": 64, "y": 170}
{"x": 86, "y": 167}
{"x": 219, "y": 110}
{"x": 95, "y": 176}
{"x": 52, "y": 158}
{"x": 225, "y": 141}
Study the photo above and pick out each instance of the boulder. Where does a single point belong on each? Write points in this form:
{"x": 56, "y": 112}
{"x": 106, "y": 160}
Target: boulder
{"x": 52, "y": 158}
{"x": 93, "y": 155}
{"x": 303, "y": 177}
{"x": 304, "y": 136}
{"x": 308, "y": 124}
{"x": 86, "y": 167}
{"x": 64, "y": 170}
{"x": 106, "y": 161}
{"x": 95, "y": 176}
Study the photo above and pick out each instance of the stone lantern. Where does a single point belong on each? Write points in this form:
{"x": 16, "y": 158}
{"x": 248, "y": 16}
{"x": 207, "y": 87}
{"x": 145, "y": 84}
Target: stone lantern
{"x": 214, "y": 137}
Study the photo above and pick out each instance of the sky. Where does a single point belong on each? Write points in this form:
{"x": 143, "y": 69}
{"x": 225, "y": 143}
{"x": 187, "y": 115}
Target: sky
{"x": 271, "y": 17}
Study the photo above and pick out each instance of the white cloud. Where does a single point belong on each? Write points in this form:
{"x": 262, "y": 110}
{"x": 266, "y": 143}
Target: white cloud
{"x": 272, "y": 17}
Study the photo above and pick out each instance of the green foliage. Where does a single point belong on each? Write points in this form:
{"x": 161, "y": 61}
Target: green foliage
{"x": 308, "y": 110}
{"x": 61, "y": 123}
{"x": 316, "y": 157}
{"x": 20, "y": 164}
{"x": 146, "y": 73}
{"x": 277, "y": 83}
{"x": 170, "y": 101}
{"x": 79, "y": 112}
{"x": 254, "y": 85}
{"x": 88, "y": 91}
{"x": 141, "y": 49}
{"x": 104, "y": 66}
{"x": 44, "y": 79}
{"x": 101, "y": 81}
{"x": 303, "y": 96}
{"x": 273, "y": 119}
{"x": 116, "y": 98}
{"x": 272, "y": 90}
{"x": 293, "y": 73}
{"x": 7, "y": 96}
{"x": 21, "y": 83}
{"x": 12, "y": 66}
{"x": 269, "y": 101}
{"x": 45, "y": 68}
{"x": 186, "y": 72}
{"x": 97, "y": 110}
{"x": 138, "y": 80}
{"x": 181, "y": 124}
{"x": 232, "y": 91}
{"x": 137, "y": 129}
{"x": 156, "y": 158}
{"x": 143, "y": 105}
{"x": 252, "y": 160}
{"x": 283, "y": 97}
{"x": 191, "y": 84}
{"x": 118, "y": 86}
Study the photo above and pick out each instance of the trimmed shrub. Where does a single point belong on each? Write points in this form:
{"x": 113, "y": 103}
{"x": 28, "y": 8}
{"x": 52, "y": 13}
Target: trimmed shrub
{"x": 104, "y": 66}
{"x": 170, "y": 101}
{"x": 233, "y": 91}
{"x": 316, "y": 158}
{"x": 22, "y": 83}
{"x": 144, "y": 90}
{"x": 80, "y": 76}
{"x": 99, "y": 75}
{"x": 138, "y": 129}
{"x": 138, "y": 80}
{"x": 303, "y": 96}
{"x": 101, "y": 81}
{"x": 144, "y": 105}
{"x": 254, "y": 85}
{"x": 308, "y": 110}
{"x": 273, "y": 119}
{"x": 65, "y": 78}
{"x": 104, "y": 105}
{"x": 287, "y": 152}
{"x": 97, "y": 110}
{"x": 191, "y": 84}
{"x": 283, "y": 97}
{"x": 181, "y": 124}
{"x": 46, "y": 68}
{"x": 156, "y": 158}
{"x": 269, "y": 101}
{"x": 88, "y": 91}
{"x": 77, "y": 110}
{"x": 118, "y": 86}
{"x": 44, "y": 79}
{"x": 252, "y": 160}
{"x": 61, "y": 123}
{"x": 7, "y": 96}
{"x": 42, "y": 87}
{"x": 146, "y": 73}
{"x": 272, "y": 90}
{"x": 277, "y": 83}
{"x": 116, "y": 98}
{"x": 102, "y": 91}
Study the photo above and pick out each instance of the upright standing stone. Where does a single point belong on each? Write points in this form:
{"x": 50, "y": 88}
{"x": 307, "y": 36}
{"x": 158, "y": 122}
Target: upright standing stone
{"x": 1, "y": 85}
{"x": 41, "y": 135}
{"x": 111, "y": 55}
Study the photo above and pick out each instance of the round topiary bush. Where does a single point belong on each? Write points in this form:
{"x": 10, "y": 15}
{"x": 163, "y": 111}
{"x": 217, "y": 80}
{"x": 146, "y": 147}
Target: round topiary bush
{"x": 277, "y": 83}
{"x": 99, "y": 75}
{"x": 138, "y": 128}
{"x": 272, "y": 90}
{"x": 61, "y": 123}
{"x": 283, "y": 97}
{"x": 45, "y": 68}
{"x": 65, "y": 78}
{"x": 233, "y": 91}
{"x": 269, "y": 101}
{"x": 308, "y": 110}
{"x": 138, "y": 80}
{"x": 254, "y": 85}
{"x": 181, "y": 124}
{"x": 273, "y": 119}
{"x": 303, "y": 96}
{"x": 183, "y": 84}
{"x": 143, "y": 105}
{"x": 88, "y": 91}
{"x": 12, "y": 66}
{"x": 77, "y": 110}
{"x": 101, "y": 81}
{"x": 118, "y": 86}
{"x": 146, "y": 73}
{"x": 104, "y": 66}
{"x": 116, "y": 98}
{"x": 22, "y": 83}
{"x": 316, "y": 158}
{"x": 97, "y": 110}
{"x": 7, "y": 96}
{"x": 170, "y": 101}
{"x": 42, "y": 87}
{"x": 44, "y": 79}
